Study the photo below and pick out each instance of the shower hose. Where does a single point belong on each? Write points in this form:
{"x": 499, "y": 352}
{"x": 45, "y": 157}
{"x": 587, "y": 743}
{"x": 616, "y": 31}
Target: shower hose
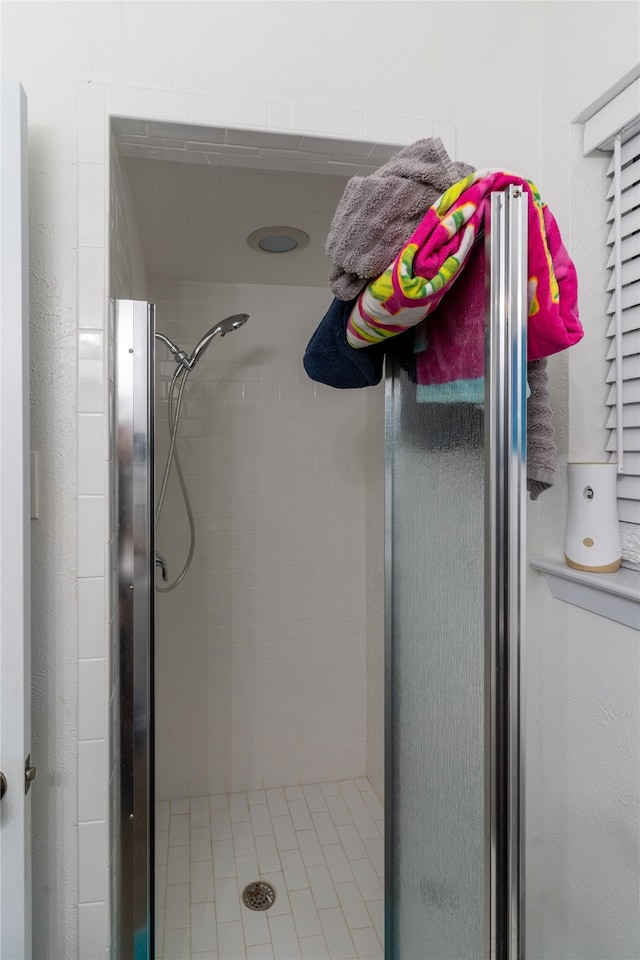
{"x": 174, "y": 419}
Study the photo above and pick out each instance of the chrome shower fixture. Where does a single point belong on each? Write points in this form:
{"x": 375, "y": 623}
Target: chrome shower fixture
{"x": 181, "y": 373}
{"x": 223, "y": 327}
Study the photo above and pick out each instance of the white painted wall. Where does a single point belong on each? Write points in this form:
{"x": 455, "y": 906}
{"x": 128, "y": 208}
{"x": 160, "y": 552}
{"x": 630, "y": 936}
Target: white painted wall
{"x": 584, "y": 695}
{"x": 298, "y": 65}
{"x": 260, "y": 653}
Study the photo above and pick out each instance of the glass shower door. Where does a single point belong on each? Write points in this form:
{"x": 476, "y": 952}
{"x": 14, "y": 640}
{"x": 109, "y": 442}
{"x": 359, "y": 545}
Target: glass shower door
{"x": 437, "y": 583}
{"x": 455, "y": 561}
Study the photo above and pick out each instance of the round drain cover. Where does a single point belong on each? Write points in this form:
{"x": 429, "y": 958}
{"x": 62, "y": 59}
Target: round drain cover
{"x": 259, "y": 895}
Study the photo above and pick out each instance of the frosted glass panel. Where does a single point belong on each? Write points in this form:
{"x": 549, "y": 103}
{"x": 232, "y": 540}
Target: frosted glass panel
{"x": 436, "y": 786}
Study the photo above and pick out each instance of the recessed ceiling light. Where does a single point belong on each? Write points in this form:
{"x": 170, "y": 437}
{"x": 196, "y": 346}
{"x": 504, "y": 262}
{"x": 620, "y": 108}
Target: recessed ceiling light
{"x": 277, "y": 239}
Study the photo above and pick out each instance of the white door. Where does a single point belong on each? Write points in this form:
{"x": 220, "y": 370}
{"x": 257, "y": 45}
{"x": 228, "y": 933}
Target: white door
{"x": 15, "y": 628}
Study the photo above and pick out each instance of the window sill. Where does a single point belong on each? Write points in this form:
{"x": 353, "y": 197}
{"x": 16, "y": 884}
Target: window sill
{"x": 615, "y": 596}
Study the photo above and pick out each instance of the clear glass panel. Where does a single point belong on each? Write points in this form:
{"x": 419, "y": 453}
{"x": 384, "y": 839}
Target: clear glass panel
{"x": 436, "y": 784}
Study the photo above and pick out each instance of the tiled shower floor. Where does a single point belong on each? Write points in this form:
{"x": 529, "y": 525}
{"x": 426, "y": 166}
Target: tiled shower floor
{"x": 320, "y": 846}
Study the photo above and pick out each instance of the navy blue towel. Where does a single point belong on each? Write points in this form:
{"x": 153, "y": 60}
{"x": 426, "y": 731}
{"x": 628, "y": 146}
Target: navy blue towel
{"x": 330, "y": 359}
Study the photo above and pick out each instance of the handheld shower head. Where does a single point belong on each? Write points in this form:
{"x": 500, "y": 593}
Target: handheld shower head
{"x": 231, "y": 323}
{"x": 223, "y": 327}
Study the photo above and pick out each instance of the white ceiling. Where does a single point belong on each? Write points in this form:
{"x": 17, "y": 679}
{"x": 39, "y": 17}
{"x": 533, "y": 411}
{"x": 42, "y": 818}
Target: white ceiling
{"x": 198, "y": 192}
{"x": 194, "y": 221}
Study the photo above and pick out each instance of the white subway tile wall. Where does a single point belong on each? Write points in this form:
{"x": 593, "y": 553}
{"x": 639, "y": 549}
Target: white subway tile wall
{"x": 91, "y": 929}
{"x": 92, "y": 847}
{"x": 91, "y": 287}
{"x": 127, "y": 274}
{"x": 91, "y": 535}
{"x": 261, "y": 653}
{"x": 92, "y": 775}
{"x": 91, "y": 372}
{"x": 91, "y": 204}
{"x": 329, "y": 895}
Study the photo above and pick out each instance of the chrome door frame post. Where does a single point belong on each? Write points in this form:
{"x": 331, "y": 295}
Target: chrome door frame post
{"x": 132, "y": 739}
{"x": 505, "y": 569}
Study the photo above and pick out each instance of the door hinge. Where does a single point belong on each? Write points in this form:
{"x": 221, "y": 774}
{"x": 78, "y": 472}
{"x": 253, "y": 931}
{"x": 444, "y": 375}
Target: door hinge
{"x": 29, "y": 774}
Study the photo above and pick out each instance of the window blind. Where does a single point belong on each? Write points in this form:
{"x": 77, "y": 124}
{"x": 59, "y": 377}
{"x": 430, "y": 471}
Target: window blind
{"x": 623, "y": 332}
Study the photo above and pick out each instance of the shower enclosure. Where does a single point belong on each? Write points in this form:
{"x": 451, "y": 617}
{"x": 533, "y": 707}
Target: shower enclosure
{"x": 455, "y": 547}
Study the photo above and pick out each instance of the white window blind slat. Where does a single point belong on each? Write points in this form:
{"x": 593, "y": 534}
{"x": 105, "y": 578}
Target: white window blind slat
{"x": 629, "y": 248}
{"x": 630, "y": 393}
{"x": 630, "y": 369}
{"x": 630, "y": 439}
{"x": 629, "y": 176}
{"x": 630, "y": 321}
{"x": 629, "y": 223}
{"x": 631, "y": 464}
{"x": 629, "y": 511}
{"x": 628, "y": 487}
{"x": 630, "y": 345}
{"x": 630, "y": 273}
{"x": 630, "y": 199}
{"x": 630, "y": 298}
{"x": 630, "y": 149}
{"x": 630, "y": 416}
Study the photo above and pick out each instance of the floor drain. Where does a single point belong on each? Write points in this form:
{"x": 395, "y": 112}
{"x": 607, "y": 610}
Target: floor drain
{"x": 259, "y": 895}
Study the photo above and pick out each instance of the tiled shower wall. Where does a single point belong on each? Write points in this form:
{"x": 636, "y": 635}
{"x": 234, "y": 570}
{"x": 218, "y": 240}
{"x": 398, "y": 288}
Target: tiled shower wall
{"x": 127, "y": 273}
{"x": 120, "y": 248}
{"x": 261, "y": 652}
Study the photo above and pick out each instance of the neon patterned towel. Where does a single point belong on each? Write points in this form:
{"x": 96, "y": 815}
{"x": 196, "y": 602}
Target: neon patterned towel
{"x": 435, "y": 255}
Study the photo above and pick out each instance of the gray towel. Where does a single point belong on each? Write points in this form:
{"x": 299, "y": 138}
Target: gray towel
{"x": 541, "y": 449}
{"x": 377, "y": 214}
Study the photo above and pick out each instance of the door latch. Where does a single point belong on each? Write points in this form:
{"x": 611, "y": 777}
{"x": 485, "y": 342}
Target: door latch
{"x": 29, "y": 774}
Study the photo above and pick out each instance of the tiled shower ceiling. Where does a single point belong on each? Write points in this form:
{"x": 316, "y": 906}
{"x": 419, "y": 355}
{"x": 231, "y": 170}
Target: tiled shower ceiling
{"x": 198, "y": 192}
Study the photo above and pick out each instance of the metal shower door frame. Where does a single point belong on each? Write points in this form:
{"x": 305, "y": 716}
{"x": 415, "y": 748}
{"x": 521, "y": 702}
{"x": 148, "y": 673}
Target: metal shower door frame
{"x": 132, "y": 682}
{"x": 506, "y": 254}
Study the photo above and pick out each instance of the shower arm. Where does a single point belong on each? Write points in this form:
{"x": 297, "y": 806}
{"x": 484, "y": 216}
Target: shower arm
{"x": 179, "y": 355}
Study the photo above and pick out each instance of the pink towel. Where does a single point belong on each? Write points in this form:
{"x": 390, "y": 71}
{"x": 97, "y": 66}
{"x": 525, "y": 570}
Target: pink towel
{"x": 454, "y": 334}
{"x": 435, "y": 258}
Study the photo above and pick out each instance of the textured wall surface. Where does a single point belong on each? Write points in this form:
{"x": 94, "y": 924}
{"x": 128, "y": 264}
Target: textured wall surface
{"x": 585, "y": 707}
{"x": 52, "y": 237}
{"x": 260, "y": 652}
